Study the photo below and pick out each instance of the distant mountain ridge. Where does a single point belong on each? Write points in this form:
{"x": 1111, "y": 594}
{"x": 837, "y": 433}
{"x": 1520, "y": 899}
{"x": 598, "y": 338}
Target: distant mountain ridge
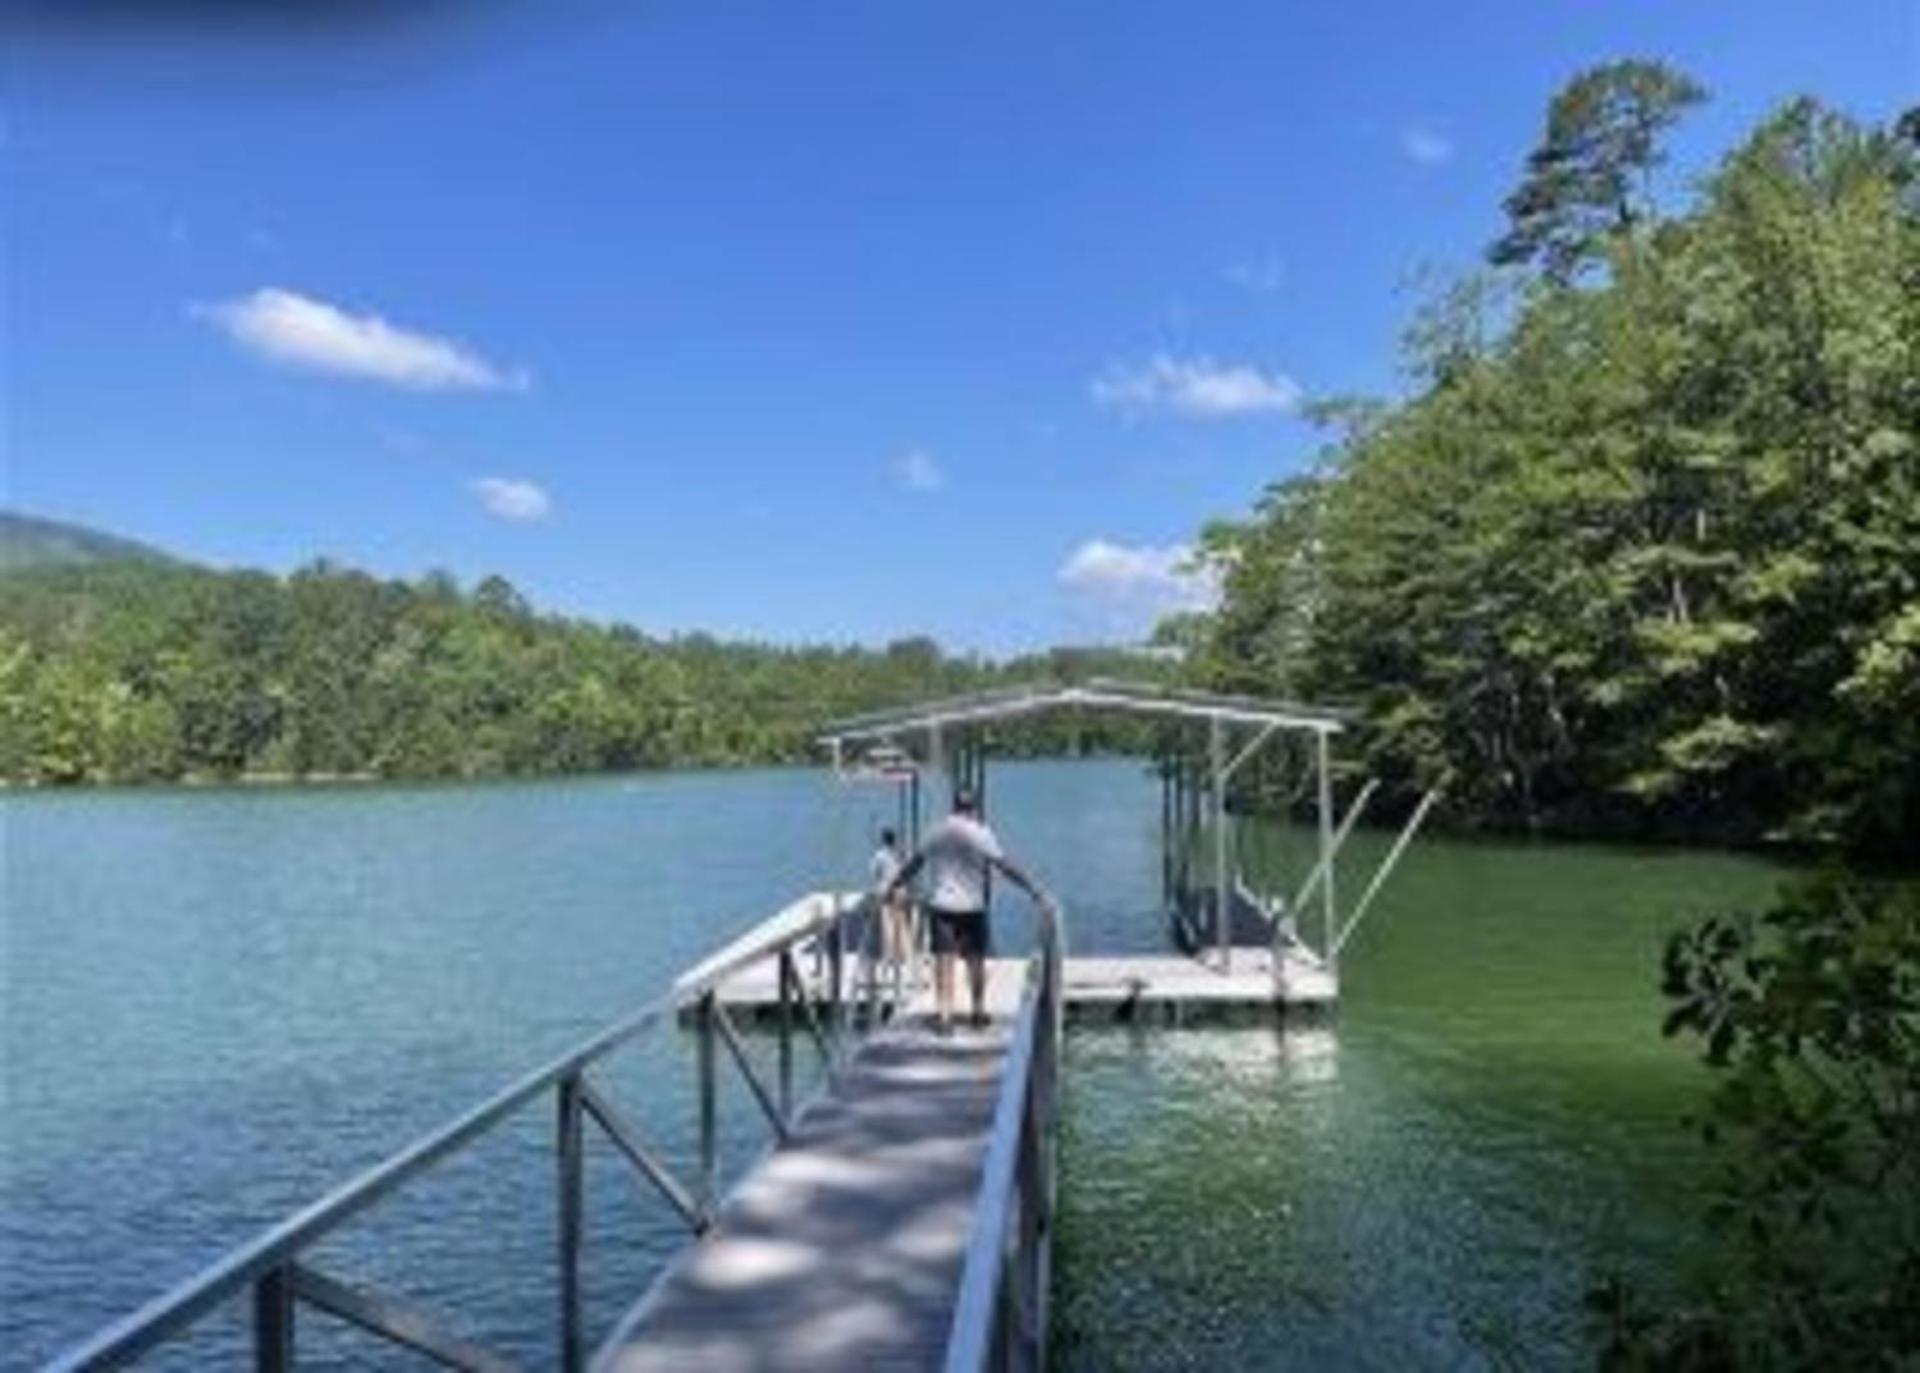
{"x": 28, "y": 541}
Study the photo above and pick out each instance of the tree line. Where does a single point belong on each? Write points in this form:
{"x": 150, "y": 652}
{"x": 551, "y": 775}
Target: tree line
{"x": 125, "y": 671}
{"x": 1640, "y": 552}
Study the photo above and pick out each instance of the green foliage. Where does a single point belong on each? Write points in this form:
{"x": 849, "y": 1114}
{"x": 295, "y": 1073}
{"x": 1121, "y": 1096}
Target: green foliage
{"x": 1644, "y": 553}
{"x": 1588, "y": 180}
{"x": 124, "y": 671}
{"x": 1809, "y": 1018}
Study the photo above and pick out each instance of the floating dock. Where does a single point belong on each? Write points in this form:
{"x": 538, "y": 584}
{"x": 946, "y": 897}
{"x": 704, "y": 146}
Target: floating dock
{"x": 1170, "y": 988}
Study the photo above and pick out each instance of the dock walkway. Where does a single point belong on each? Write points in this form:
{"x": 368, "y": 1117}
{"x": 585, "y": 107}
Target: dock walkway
{"x": 844, "y": 1249}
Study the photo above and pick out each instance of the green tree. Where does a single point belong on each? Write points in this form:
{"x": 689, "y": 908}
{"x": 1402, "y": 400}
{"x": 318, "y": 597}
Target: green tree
{"x": 1590, "y": 177}
{"x": 1809, "y": 1019}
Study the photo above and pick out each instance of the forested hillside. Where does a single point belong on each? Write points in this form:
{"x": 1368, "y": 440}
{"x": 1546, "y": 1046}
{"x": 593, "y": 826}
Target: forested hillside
{"x": 127, "y": 671}
{"x": 1641, "y": 552}
{"x": 27, "y": 541}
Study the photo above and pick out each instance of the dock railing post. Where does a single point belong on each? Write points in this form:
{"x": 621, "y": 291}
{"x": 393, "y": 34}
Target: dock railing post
{"x": 273, "y": 1320}
{"x": 1222, "y": 882}
{"x": 837, "y": 942}
{"x": 785, "y": 971}
{"x": 1329, "y": 953}
{"x": 568, "y": 1150}
{"x": 709, "y": 1121}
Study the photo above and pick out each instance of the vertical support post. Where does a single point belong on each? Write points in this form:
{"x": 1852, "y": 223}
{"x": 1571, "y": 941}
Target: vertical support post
{"x": 1328, "y": 952}
{"x": 273, "y": 1320}
{"x": 709, "y": 1107}
{"x": 569, "y": 1156}
{"x": 1166, "y": 840}
{"x": 837, "y": 968}
{"x": 1222, "y": 880}
{"x": 871, "y": 941}
{"x": 936, "y": 753}
{"x": 788, "y": 977}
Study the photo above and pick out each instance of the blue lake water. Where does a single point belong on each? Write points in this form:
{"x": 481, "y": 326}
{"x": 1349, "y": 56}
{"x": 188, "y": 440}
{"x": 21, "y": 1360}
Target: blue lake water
{"x": 220, "y": 1003}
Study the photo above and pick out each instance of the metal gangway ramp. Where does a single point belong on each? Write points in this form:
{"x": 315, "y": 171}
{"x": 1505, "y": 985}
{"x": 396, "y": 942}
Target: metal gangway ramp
{"x": 905, "y": 1220}
{"x": 902, "y": 1218}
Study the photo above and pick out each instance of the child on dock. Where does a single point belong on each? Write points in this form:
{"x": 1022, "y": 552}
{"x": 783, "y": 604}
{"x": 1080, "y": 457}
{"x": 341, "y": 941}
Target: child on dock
{"x": 897, "y": 932}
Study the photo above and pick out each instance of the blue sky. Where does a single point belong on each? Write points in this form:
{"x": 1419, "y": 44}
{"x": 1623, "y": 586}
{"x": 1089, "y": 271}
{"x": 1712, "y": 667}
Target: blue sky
{"x": 838, "y": 321}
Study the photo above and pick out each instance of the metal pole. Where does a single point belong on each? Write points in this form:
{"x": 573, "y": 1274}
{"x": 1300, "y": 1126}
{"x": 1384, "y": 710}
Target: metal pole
{"x": 709, "y": 1131}
{"x": 785, "y": 971}
{"x": 838, "y": 965}
{"x": 1166, "y": 838}
{"x": 568, "y": 1153}
{"x": 1216, "y": 754}
{"x": 273, "y": 1320}
{"x": 1328, "y": 952}
{"x": 1386, "y": 867}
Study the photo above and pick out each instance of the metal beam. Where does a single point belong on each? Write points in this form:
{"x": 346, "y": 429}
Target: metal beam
{"x": 1301, "y": 897}
{"x": 273, "y": 1321}
{"x": 652, "y": 1169}
{"x": 1251, "y": 748}
{"x": 396, "y": 1321}
{"x": 1222, "y": 881}
{"x": 571, "y": 1227}
{"x": 731, "y": 1039}
{"x": 1328, "y": 953}
{"x": 1387, "y": 865}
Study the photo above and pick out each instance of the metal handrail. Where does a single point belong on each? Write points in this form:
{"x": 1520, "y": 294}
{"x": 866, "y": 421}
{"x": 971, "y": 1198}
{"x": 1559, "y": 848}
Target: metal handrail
{"x": 1000, "y": 1315}
{"x": 269, "y": 1263}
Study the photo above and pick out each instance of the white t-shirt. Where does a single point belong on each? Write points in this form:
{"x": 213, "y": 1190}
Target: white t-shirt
{"x": 959, "y": 850}
{"x": 884, "y": 868}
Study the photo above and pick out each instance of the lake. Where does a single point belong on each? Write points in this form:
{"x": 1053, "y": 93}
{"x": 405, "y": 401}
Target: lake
{"x": 219, "y": 1003}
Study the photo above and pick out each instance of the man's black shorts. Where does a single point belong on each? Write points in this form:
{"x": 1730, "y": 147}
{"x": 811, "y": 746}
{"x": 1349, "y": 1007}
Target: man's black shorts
{"x": 961, "y": 932}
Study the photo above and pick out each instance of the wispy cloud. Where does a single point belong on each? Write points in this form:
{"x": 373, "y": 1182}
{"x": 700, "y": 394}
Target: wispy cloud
{"x": 1144, "y": 580}
{"x": 509, "y": 498}
{"x": 1269, "y": 274}
{"x": 300, "y": 331}
{"x": 918, "y": 471}
{"x": 1196, "y": 386}
{"x": 1426, "y": 146}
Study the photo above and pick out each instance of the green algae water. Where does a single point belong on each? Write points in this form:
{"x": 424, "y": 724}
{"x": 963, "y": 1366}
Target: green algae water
{"x": 217, "y": 1004}
{"x": 1429, "y": 1177}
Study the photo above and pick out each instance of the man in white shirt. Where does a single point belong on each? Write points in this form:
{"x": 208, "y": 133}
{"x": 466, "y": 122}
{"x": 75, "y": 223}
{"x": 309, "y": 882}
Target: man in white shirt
{"x": 958, "y": 854}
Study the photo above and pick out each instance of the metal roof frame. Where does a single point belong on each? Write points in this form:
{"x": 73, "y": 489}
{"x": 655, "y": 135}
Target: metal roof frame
{"x": 1097, "y": 694}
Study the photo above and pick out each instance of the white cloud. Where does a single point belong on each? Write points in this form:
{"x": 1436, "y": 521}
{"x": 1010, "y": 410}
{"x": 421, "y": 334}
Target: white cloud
{"x": 1267, "y": 275}
{"x": 288, "y": 327}
{"x": 1197, "y": 386}
{"x": 510, "y": 499}
{"x": 918, "y": 471}
{"x": 1425, "y": 146}
{"x": 1141, "y": 578}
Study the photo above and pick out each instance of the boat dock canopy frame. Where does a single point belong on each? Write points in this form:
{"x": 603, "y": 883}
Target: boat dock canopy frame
{"x": 1099, "y": 694}
{"x": 1200, "y": 784}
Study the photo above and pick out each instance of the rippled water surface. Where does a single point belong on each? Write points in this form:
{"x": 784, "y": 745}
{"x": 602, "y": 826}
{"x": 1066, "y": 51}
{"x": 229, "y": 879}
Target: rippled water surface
{"x": 218, "y": 1004}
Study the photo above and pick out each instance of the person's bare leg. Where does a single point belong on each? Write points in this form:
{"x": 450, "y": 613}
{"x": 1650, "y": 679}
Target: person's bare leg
{"x": 943, "y": 987}
{"x": 977, "y": 980}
